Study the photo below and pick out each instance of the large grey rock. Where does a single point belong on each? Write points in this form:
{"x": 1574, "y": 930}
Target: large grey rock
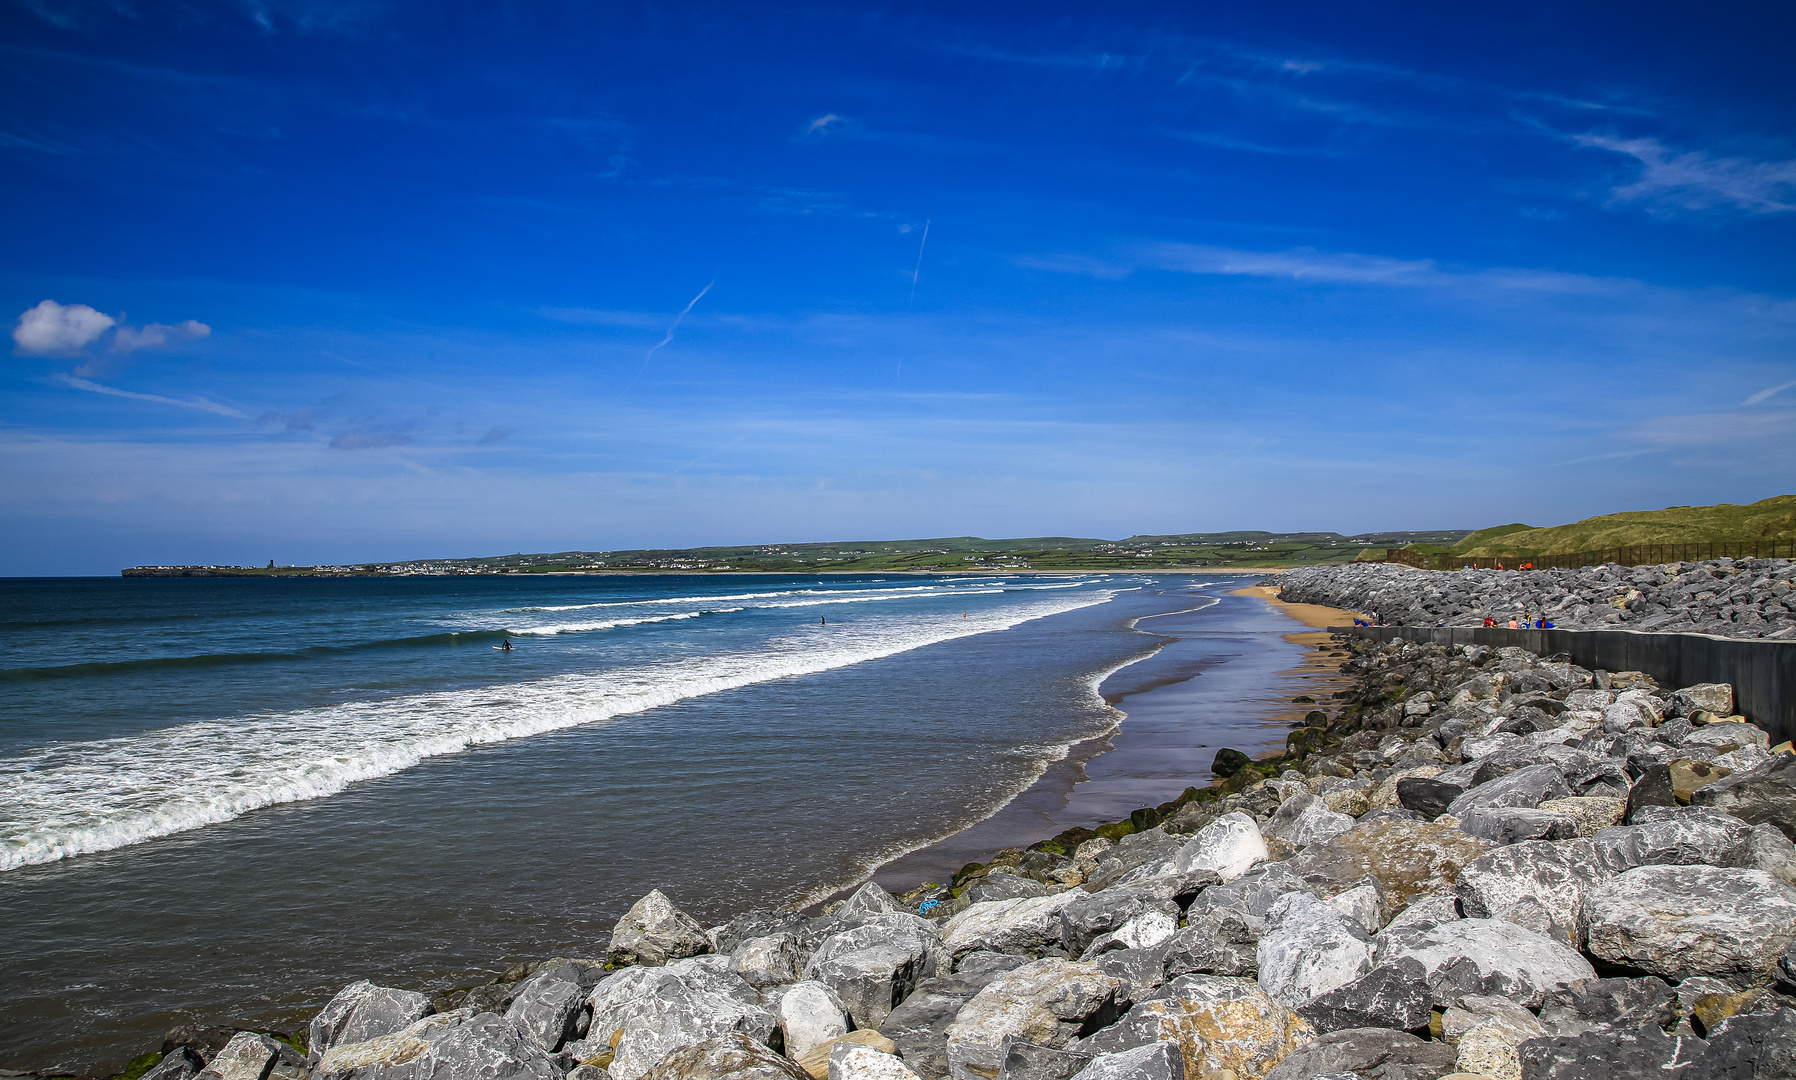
{"x": 727, "y": 1057}
{"x": 1673, "y": 836}
{"x": 1394, "y": 996}
{"x": 1526, "y": 788}
{"x": 451, "y": 1047}
{"x": 1142, "y": 969}
{"x": 1219, "y": 1024}
{"x": 1048, "y": 1002}
{"x": 1011, "y": 926}
{"x": 851, "y": 1061}
{"x": 653, "y": 931}
{"x": 771, "y": 960}
{"x": 1680, "y": 921}
{"x": 810, "y": 1014}
{"x": 1717, "y": 698}
{"x": 1136, "y": 849}
{"x": 730, "y": 936}
{"x": 1230, "y": 846}
{"x": 550, "y": 1008}
{"x": 872, "y": 981}
{"x": 1558, "y": 876}
{"x": 1161, "y": 880}
{"x": 251, "y": 1055}
{"x": 919, "y": 1026}
{"x": 869, "y": 899}
{"x": 181, "y": 1063}
{"x": 1024, "y": 1060}
{"x": 1306, "y": 819}
{"x": 1087, "y": 915}
{"x": 659, "y": 1010}
{"x": 1624, "y": 1004}
{"x": 1762, "y": 794}
{"x": 1144, "y": 931}
{"x": 1156, "y": 1061}
{"x": 1514, "y": 824}
{"x": 1371, "y": 1053}
{"x": 1608, "y": 1052}
{"x": 1309, "y": 949}
{"x": 1002, "y": 885}
{"x": 1406, "y": 858}
{"x": 1485, "y": 957}
{"x": 363, "y": 1011}
{"x": 1253, "y": 892}
{"x": 1728, "y": 734}
{"x": 1428, "y": 797}
{"x": 1224, "y": 941}
{"x": 1759, "y": 1044}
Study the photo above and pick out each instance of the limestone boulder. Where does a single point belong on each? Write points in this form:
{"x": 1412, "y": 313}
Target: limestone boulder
{"x": 1218, "y": 1023}
{"x": 919, "y": 1026}
{"x": 1089, "y": 915}
{"x": 550, "y": 1008}
{"x": 658, "y": 1010}
{"x": 1367, "y": 1052}
{"x": 1362, "y": 906}
{"x": 1048, "y": 1002}
{"x": 1611, "y": 1052}
{"x": 363, "y": 1011}
{"x": 1133, "y": 850}
{"x": 1229, "y": 846}
{"x": 1557, "y": 876}
{"x": 810, "y": 1014}
{"x": 822, "y": 1058}
{"x": 1309, "y": 949}
{"x": 1406, "y": 858}
{"x": 1394, "y": 995}
{"x": 1009, "y": 926}
{"x": 869, "y": 899}
{"x": 1225, "y": 941}
{"x": 1156, "y": 1061}
{"x": 653, "y": 931}
{"x": 1485, "y": 957}
{"x": 251, "y": 1055}
{"x": 1002, "y": 885}
{"x": 1682, "y": 921}
{"x": 1024, "y": 1060}
{"x": 1514, "y": 824}
{"x": 1525, "y": 788}
{"x": 873, "y": 980}
{"x": 1590, "y": 812}
{"x": 1619, "y": 1003}
{"x": 1716, "y": 698}
{"x": 851, "y": 1061}
{"x": 727, "y": 1057}
{"x": 1728, "y": 734}
{"x": 452, "y": 1047}
{"x": 1674, "y": 836}
{"x": 1305, "y": 819}
{"x": 1144, "y": 931}
{"x": 181, "y": 1063}
{"x": 1253, "y": 892}
{"x": 770, "y": 960}
{"x": 1428, "y": 797}
{"x": 1765, "y": 794}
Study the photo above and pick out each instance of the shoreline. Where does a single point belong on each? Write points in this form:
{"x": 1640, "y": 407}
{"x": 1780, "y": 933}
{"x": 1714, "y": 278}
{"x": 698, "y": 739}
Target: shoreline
{"x": 1146, "y": 758}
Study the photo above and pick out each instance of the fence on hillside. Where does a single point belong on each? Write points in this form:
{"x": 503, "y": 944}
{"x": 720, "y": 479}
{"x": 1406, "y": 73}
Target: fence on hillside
{"x": 1629, "y": 555}
{"x": 1763, "y": 673}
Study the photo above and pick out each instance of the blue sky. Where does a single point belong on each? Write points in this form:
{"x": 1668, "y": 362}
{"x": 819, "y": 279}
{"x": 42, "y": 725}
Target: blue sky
{"x": 333, "y": 282}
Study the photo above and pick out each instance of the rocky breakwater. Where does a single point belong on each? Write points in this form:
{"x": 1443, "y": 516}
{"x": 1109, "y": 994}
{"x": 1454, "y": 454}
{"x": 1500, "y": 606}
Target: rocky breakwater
{"x": 1476, "y": 863}
{"x": 1748, "y": 598}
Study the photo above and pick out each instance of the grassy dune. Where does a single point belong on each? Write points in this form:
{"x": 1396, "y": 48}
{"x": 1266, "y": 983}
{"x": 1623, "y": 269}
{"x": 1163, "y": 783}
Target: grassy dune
{"x": 1767, "y": 519}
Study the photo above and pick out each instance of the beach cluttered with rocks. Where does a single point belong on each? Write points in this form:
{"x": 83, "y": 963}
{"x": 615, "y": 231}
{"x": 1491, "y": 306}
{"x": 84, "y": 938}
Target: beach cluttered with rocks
{"x": 1473, "y": 862}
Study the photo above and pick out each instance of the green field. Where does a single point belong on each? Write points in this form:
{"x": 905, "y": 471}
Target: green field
{"x": 956, "y": 554}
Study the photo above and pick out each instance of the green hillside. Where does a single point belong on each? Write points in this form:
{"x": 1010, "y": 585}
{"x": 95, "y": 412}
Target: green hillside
{"x": 1767, "y": 519}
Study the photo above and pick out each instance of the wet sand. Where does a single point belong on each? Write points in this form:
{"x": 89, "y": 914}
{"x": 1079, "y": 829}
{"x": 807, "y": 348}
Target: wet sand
{"x": 1231, "y": 661}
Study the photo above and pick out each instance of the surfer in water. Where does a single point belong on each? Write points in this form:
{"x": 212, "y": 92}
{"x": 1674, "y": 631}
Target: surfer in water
{"x": 505, "y": 646}
{"x": 821, "y": 621}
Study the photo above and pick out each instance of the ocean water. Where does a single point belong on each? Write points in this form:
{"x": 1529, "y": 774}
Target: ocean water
{"x": 221, "y": 799}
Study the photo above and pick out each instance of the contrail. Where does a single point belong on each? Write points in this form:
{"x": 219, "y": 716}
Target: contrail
{"x": 687, "y": 309}
{"x": 919, "y": 268}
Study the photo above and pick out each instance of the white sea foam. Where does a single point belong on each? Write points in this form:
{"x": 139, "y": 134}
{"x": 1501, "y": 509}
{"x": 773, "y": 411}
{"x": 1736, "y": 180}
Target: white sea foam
{"x": 70, "y": 798}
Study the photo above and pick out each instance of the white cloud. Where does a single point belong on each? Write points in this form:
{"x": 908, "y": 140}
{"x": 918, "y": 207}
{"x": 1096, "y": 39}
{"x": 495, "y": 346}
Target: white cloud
{"x": 1695, "y": 181}
{"x": 130, "y": 338}
{"x": 822, "y": 123}
{"x": 201, "y": 404}
{"x": 1301, "y": 264}
{"x": 51, "y": 328}
{"x": 1767, "y": 392}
